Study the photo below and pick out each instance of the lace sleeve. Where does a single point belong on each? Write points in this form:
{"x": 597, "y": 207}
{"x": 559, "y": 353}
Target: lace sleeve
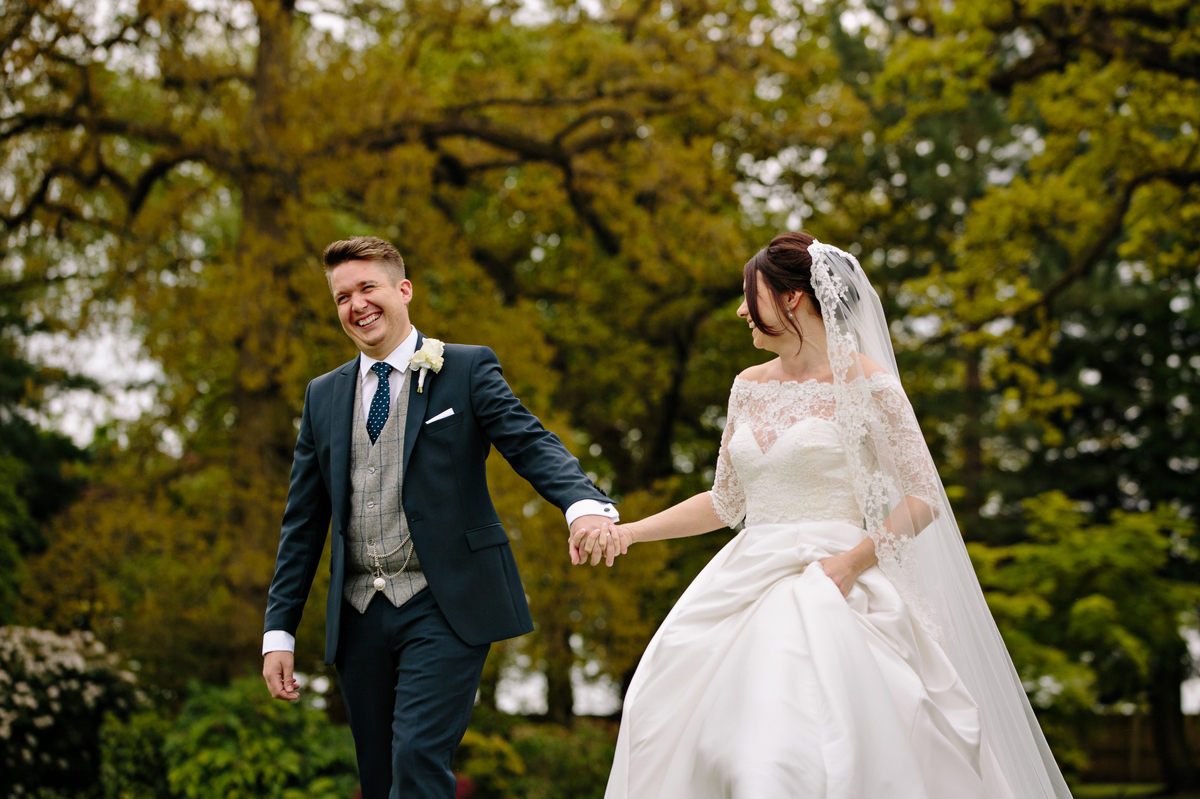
{"x": 907, "y": 453}
{"x": 727, "y": 497}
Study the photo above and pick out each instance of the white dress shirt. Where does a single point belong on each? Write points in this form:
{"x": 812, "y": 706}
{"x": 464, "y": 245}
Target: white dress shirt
{"x": 399, "y": 360}
{"x": 279, "y": 640}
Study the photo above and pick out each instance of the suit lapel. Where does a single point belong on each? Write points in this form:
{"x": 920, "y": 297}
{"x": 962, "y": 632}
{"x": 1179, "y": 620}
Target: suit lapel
{"x": 340, "y": 438}
{"x": 417, "y": 403}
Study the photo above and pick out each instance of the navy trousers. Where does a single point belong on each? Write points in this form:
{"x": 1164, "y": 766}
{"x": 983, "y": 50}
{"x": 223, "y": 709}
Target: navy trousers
{"x": 409, "y": 684}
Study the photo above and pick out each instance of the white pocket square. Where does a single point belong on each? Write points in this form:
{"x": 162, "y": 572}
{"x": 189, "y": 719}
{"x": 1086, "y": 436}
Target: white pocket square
{"x": 442, "y": 415}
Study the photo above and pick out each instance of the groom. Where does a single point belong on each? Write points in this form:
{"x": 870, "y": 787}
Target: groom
{"x": 423, "y": 579}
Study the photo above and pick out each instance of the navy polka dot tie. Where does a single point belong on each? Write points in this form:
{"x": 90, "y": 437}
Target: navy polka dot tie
{"x": 380, "y": 403}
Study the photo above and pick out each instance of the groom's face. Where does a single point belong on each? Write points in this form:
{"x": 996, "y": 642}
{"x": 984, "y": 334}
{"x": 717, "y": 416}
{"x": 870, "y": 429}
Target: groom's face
{"x": 372, "y": 308}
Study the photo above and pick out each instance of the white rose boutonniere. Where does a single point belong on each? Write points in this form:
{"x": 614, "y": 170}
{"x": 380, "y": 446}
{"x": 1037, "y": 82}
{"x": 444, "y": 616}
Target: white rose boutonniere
{"x": 426, "y": 358}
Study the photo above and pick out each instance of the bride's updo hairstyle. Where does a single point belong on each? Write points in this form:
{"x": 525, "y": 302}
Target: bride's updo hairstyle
{"x": 785, "y": 266}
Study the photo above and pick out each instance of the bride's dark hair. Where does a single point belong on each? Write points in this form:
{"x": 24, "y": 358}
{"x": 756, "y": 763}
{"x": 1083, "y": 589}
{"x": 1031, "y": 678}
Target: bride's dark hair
{"x": 785, "y": 265}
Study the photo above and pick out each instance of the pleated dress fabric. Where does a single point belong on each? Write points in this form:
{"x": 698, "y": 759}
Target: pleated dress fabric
{"x": 764, "y": 681}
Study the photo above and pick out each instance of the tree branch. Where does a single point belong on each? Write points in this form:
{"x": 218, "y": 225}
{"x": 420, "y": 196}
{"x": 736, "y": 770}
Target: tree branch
{"x": 136, "y": 195}
{"x": 582, "y": 203}
{"x": 583, "y": 119}
{"x": 1067, "y": 32}
{"x": 20, "y": 19}
{"x": 23, "y": 123}
{"x": 1086, "y": 260}
{"x": 1112, "y": 228}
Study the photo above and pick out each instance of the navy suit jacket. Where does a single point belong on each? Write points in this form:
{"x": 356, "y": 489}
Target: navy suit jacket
{"x": 459, "y": 540}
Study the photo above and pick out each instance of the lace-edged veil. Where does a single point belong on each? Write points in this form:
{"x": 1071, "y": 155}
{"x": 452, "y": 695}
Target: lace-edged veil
{"x": 917, "y": 540}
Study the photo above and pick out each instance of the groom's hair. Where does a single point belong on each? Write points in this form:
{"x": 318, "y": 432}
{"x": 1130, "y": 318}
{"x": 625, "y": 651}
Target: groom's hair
{"x": 365, "y": 248}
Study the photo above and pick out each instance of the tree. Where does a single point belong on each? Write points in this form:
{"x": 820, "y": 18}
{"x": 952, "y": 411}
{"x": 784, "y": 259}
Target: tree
{"x": 563, "y": 188}
{"x": 1095, "y": 609}
{"x": 1109, "y": 167}
{"x": 1131, "y": 446}
{"x": 39, "y": 469}
{"x": 1102, "y": 100}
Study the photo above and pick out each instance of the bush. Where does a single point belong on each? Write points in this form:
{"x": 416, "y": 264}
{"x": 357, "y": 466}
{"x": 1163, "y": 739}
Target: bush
{"x": 562, "y": 763}
{"x": 133, "y": 764}
{"x": 227, "y": 743}
{"x": 55, "y": 691}
{"x": 239, "y": 742}
{"x": 491, "y": 763}
{"x": 506, "y": 757}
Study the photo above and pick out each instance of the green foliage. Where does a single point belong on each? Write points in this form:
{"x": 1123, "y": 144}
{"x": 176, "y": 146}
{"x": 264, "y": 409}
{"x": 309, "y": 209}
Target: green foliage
{"x": 133, "y": 764}
{"x": 492, "y": 765}
{"x": 1127, "y": 344}
{"x": 564, "y": 191}
{"x": 1069, "y": 290}
{"x": 1085, "y": 608}
{"x": 38, "y": 468}
{"x": 1019, "y": 181}
{"x": 562, "y": 763}
{"x": 508, "y": 759}
{"x": 14, "y": 517}
{"x": 583, "y": 614}
{"x": 155, "y": 577}
{"x": 239, "y": 741}
{"x": 1065, "y": 135}
{"x": 227, "y": 742}
{"x": 54, "y": 694}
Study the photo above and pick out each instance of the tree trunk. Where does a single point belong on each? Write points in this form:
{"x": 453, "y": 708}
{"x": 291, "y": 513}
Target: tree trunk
{"x": 489, "y": 682}
{"x": 560, "y": 696}
{"x": 266, "y": 301}
{"x": 972, "y": 442}
{"x": 1168, "y": 671}
{"x": 261, "y": 287}
{"x": 265, "y": 259}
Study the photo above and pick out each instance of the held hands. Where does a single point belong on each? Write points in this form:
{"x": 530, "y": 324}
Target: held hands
{"x": 277, "y": 671}
{"x": 596, "y": 538}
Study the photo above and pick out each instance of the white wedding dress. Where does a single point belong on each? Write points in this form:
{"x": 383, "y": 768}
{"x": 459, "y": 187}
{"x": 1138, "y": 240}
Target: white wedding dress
{"x": 764, "y": 681}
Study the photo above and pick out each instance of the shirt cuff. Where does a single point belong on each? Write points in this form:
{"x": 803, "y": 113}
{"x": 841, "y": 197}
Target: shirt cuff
{"x": 278, "y": 641}
{"x": 592, "y": 507}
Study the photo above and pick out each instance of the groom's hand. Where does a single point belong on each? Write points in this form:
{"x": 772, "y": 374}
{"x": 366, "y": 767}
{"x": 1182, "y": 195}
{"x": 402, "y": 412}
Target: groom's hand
{"x": 277, "y": 671}
{"x": 596, "y": 537}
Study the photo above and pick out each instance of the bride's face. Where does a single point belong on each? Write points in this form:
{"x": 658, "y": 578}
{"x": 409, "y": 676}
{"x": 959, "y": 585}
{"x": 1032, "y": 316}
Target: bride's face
{"x": 770, "y": 316}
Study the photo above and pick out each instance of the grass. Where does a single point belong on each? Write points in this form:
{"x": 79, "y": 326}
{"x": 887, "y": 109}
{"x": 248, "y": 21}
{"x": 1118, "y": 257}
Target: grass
{"x": 1103, "y": 791}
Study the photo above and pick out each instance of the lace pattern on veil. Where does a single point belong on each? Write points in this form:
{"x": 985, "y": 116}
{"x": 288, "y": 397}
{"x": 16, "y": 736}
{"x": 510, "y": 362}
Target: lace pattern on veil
{"x": 886, "y": 452}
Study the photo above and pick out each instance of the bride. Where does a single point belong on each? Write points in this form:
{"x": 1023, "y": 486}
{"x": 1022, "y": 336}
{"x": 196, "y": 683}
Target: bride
{"x": 839, "y": 647}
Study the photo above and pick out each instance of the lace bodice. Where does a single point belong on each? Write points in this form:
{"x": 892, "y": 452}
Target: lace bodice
{"x": 782, "y": 458}
{"x": 801, "y": 475}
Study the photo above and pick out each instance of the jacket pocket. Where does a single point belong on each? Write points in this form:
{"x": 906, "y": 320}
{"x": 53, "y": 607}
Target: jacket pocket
{"x": 442, "y": 424}
{"x": 489, "y": 536}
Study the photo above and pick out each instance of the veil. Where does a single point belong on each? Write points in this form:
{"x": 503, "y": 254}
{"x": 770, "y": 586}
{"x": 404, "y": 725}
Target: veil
{"x": 907, "y": 515}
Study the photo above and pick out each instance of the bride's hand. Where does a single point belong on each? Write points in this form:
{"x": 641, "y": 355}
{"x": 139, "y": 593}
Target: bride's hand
{"x": 843, "y": 570}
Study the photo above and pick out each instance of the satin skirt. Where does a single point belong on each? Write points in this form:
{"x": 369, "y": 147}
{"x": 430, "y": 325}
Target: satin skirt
{"x": 764, "y": 681}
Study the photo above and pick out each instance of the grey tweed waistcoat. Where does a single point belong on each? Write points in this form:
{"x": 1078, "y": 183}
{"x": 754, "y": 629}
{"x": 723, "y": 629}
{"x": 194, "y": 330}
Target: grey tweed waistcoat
{"x": 377, "y": 538}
